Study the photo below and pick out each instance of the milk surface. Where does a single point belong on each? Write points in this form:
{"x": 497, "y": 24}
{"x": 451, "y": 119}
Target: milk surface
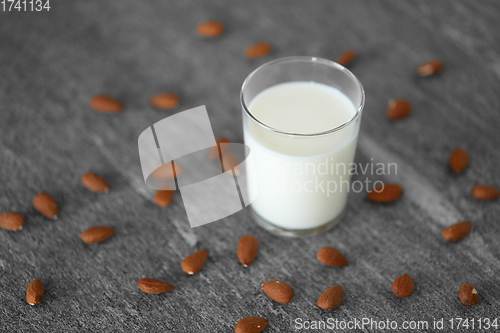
{"x": 302, "y": 182}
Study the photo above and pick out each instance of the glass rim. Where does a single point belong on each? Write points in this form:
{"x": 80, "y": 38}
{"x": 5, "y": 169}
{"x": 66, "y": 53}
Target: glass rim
{"x": 326, "y": 62}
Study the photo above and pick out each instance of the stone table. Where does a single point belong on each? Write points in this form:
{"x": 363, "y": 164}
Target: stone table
{"x": 53, "y": 62}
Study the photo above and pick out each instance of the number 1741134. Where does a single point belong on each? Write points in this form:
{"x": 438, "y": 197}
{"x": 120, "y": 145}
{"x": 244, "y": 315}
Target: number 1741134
{"x": 24, "y": 5}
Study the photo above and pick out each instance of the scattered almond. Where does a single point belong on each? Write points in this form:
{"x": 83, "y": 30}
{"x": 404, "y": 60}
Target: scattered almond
{"x": 11, "y": 221}
{"x": 165, "y": 195}
{"x": 194, "y": 262}
{"x": 214, "y": 150}
{"x": 430, "y": 68}
{"x": 484, "y": 192}
{"x": 46, "y": 205}
{"x": 153, "y": 286}
{"x": 278, "y": 291}
{"x": 251, "y": 325}
{"x": 398, "y": 109}
{"x": 346, "y": 57}
{"x": 457, "y": 231}
{"x": 258, "y": 50}
{"x": 458, "y": 160}
{"x": 403, "y": 286}
{"x": 34, "y": 294}
{"x": 165, "y": 171}
{"x": 165, "y": 101}
{"x": 103, "y": 103}
{"x": 331, "y": 298}
{"x": 385, "y": 193}
{"x": 248, "y": 247}
{"x": 331, "y": 257}
{"x": 468, "y": 294}
{"x": 95, "y": 182}
{"x": 97, "y": 234}
{"x": 210, "y": 28}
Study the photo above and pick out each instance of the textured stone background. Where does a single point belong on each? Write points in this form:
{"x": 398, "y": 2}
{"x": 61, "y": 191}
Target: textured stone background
{"x": 51, "y": 64}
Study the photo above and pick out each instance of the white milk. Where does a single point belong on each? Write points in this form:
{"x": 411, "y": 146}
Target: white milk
{"x": 302, "y": 181}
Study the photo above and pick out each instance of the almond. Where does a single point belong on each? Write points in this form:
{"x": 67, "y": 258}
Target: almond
{"x": 468, "y": 294}
{"x": 97, "y": 234}
{"x": 430, "y": 68}
{"x": 457, "y": 231}
{"x": 211, "y": 29}
{"x": 278, "y": 291}
{"x": 331, "y": 298}
{"x": 11, "y": 221}
{"x": 484, "y": 192}
{"x": 165, "y": 195}
{"x": 165, "y": 101}
{"x": 258, "y": 50}
{"x": 331, "y": 257}
{"x": 95, "y": 182}
{"x": 346, "y": 57}
{"x": 214, "y": 150}
{"x": 46, "y": 205}
{"x": 251, "y": 325}
{"x": 153, "y": 286}
{"x": 103, "y": 103}
{"x": 34, "y": 294}
{"x": 165, "y": 171}
{"x": 248, "y": 247}
{"x": 398, "y": 109}
{"x": 458, "y": 160}
{"x": 194, "y": 262}
{"x": 385, "y": 193}
{"x": 403, "y": 286}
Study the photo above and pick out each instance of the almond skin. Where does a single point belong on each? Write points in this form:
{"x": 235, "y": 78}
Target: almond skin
{"x": 403, "y": 286}
{"x": 484, "y": 192}
{"x": 331, "y": 257}
{"x": 194, "y": 262}
{"x": 251, "y": 325}
{"x": 211, "y": 29}
{"x": 385, "y": 193}
{"x": 458, "y": 160}
{"x": 95, "y": 182}
{"x": 153, "y": 286}
{"x": 430, "y": 68}
{"x": 11, "y": 221}
{"x": 331, "y": 298}
{"x": 278, "y": 291}
{"x": 103, "y": 103}
{"x": 46, "y": 205}
{"x": 248, "y": 247}
{"x": 468, "y": 294}
{"x": 164, "y": 197}
{"x": 398, "y": 109}
{"x": 214, "y": 150}
{"x": 457, "y": 231}
{"x": 258, "y": 50}
{"x": 346, "y": 57}
{"x": 165, "y": 101}
{"x": 34, "y": 294}
{"x": 97, "y": 234}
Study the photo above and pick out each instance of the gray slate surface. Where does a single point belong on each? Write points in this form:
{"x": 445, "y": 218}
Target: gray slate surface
{"x": 51, "y": 64}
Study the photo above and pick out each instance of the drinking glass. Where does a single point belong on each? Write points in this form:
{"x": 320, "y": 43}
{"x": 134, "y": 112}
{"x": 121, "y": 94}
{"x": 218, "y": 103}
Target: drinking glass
{"x": 306, "y": 207}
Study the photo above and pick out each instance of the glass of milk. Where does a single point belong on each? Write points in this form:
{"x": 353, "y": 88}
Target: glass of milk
{"x": 301, "y": 118}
